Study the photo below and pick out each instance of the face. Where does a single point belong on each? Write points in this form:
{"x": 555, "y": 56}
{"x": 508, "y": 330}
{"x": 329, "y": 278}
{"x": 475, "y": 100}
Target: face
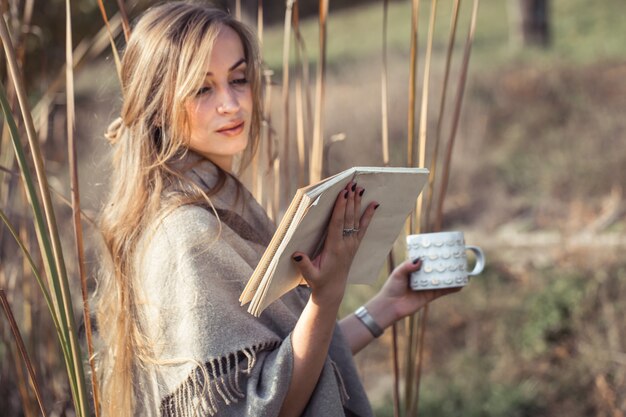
{"x": 220, "y": 113}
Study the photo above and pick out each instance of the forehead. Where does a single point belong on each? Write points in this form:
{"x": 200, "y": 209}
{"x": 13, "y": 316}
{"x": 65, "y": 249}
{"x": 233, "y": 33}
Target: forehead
{"x": 227, "y": 50}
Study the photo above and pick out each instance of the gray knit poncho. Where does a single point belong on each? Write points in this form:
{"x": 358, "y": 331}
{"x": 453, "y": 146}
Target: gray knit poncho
{"x": 208, "y": 355}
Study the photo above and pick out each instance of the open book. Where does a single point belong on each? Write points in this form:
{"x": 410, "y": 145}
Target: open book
{"x": 303, "y": 228}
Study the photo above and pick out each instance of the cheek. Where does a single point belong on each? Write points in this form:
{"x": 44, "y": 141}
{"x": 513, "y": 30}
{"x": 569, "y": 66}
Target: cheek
{"x": 199, "y": 113}
{"x": 245, "y": 99}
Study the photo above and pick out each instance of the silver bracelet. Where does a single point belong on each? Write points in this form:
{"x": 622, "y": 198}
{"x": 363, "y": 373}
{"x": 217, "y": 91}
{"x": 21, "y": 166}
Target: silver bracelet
{"x": 368, "y": 321}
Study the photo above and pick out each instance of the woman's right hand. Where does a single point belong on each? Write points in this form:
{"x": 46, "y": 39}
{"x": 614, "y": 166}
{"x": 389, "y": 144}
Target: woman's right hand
{"x": 327, "y": 273}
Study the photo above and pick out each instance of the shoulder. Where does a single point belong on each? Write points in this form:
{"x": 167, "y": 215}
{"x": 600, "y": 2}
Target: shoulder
{"x": 181, "y": 222}
{"x": 185, "y": 250}
{"x": 186, "y": 219}
{"x": 178, "y": 231}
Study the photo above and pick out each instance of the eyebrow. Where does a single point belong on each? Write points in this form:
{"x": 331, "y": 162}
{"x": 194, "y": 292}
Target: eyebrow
{"x": 232, "y": 67}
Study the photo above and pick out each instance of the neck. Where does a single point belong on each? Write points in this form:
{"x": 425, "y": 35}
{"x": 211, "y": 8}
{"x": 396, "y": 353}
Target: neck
{"x": 224, "y": 162}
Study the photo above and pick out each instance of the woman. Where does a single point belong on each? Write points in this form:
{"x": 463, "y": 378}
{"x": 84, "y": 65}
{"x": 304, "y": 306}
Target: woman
{"x": 183, "y": 236}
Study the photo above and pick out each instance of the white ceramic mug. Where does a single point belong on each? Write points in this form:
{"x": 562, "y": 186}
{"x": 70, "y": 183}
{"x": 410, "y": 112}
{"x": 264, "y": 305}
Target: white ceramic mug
{"x": 444, "y": 260}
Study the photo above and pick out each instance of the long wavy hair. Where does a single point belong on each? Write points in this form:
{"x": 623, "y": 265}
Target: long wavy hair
{"x": 163, "y": 66}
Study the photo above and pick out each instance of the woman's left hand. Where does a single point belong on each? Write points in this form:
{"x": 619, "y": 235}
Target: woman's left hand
{"x": 396, "y": 299}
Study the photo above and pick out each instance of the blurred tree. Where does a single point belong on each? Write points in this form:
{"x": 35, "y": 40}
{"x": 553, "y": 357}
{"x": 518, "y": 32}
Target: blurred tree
{"x": 530, "y": 22}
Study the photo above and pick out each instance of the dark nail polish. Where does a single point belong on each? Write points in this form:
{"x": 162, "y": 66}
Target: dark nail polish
{"x": 361, "y": 193}
{"x": 376, "y": 206}
{"x": 353, "y": 186}
{"x": 297, "y": 258}
{"x": 416, "y": 261}
{"x": 345, "y": 195}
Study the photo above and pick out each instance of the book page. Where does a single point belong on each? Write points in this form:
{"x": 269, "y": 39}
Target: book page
{"x": 305, "y": 239}
{"x": 279, "y": 236}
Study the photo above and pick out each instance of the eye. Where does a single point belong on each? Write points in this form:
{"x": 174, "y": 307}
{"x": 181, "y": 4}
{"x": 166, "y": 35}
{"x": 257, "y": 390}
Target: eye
{"x": 240, "y": 81}
{"x": 204, "y": 90}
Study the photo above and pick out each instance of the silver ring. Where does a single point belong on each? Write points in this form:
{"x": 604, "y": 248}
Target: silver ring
{"x": 348, "y": 232}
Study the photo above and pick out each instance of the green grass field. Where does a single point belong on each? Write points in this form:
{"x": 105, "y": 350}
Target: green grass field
{"x": 582, "y": 33}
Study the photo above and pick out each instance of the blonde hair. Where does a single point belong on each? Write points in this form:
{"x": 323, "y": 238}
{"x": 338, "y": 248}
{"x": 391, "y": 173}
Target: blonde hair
{"x": 163, "y": 66}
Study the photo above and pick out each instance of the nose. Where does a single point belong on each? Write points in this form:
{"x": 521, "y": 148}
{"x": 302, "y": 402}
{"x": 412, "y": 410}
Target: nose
{"x": 228, "y": 102}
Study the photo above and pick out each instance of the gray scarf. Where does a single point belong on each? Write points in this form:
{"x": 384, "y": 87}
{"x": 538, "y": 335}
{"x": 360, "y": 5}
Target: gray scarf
{"x": 208, "y": 355}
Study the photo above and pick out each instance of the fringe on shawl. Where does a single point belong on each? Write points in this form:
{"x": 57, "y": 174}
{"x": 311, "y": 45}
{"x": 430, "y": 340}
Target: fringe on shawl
{"x": 217, "y": 381}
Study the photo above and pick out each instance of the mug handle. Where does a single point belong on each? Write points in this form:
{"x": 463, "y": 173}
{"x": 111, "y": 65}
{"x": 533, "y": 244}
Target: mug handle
{"x": 480, "y": 260}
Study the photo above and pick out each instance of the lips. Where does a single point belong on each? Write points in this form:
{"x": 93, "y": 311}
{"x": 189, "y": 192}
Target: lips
{"x": 232, "y": 129}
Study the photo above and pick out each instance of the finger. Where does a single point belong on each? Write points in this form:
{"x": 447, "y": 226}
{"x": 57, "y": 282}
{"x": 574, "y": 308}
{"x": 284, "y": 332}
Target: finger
{"x": 358, "y": 195}
{"x": 406, "y": 268}
{"x": 366, "y": 218}
{"x": 349, "y": 215}
{"x": 304, "y": 265}
{"x": 410, "y": 265}
{"x": 335, "y": 227}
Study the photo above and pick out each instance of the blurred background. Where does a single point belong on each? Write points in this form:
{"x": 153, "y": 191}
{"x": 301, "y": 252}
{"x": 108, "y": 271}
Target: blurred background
{"x": 537, "y": 178}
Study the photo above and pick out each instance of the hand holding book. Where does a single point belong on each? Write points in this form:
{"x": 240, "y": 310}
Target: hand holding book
{"x": 327, "y": 271}
{"x": 305, "y": 222}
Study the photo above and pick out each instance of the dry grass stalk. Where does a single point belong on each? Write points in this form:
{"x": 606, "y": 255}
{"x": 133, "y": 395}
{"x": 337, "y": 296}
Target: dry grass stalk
{"x": 23, "y": 383}
{"x": 413, "y": 404}
{"x": 417, "y": 324}
{"x": 53, "y": 261}
{"x": 421, "y": 326}
{"x": 24, "y": 28}
{"x": 257, "y": 178}
{"x": 440, "y": 115}
{"x": 285, "y": 158}
{"x": 412, "y": 82}
{"x": 21, "y": 27}
{"x": 238, "y": 10}
{"x": 74, "y": 186}
{"x": 417, "y": 360}
{"x": 395, "y": 360}
{"x": 267, "y": 141}
{"x": 22, "y": 349}
{"x": 301, "y": 85}
{"x": 22, "y": 378}
{"x": 7, "y": 170}
{"x": 48, "y": 238}
{"x": 384, "y": 86}
{"x": 411, "y": 321}
{"x": 116, "y": 56}
{"x": 455, "y": 116}
{"x": 317, "y": 157}
{"x": 259, "y": 21}
{"x": 276, "y": 200}
{"x": 125, "y": 22}
{"x": 424, "y": 106}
